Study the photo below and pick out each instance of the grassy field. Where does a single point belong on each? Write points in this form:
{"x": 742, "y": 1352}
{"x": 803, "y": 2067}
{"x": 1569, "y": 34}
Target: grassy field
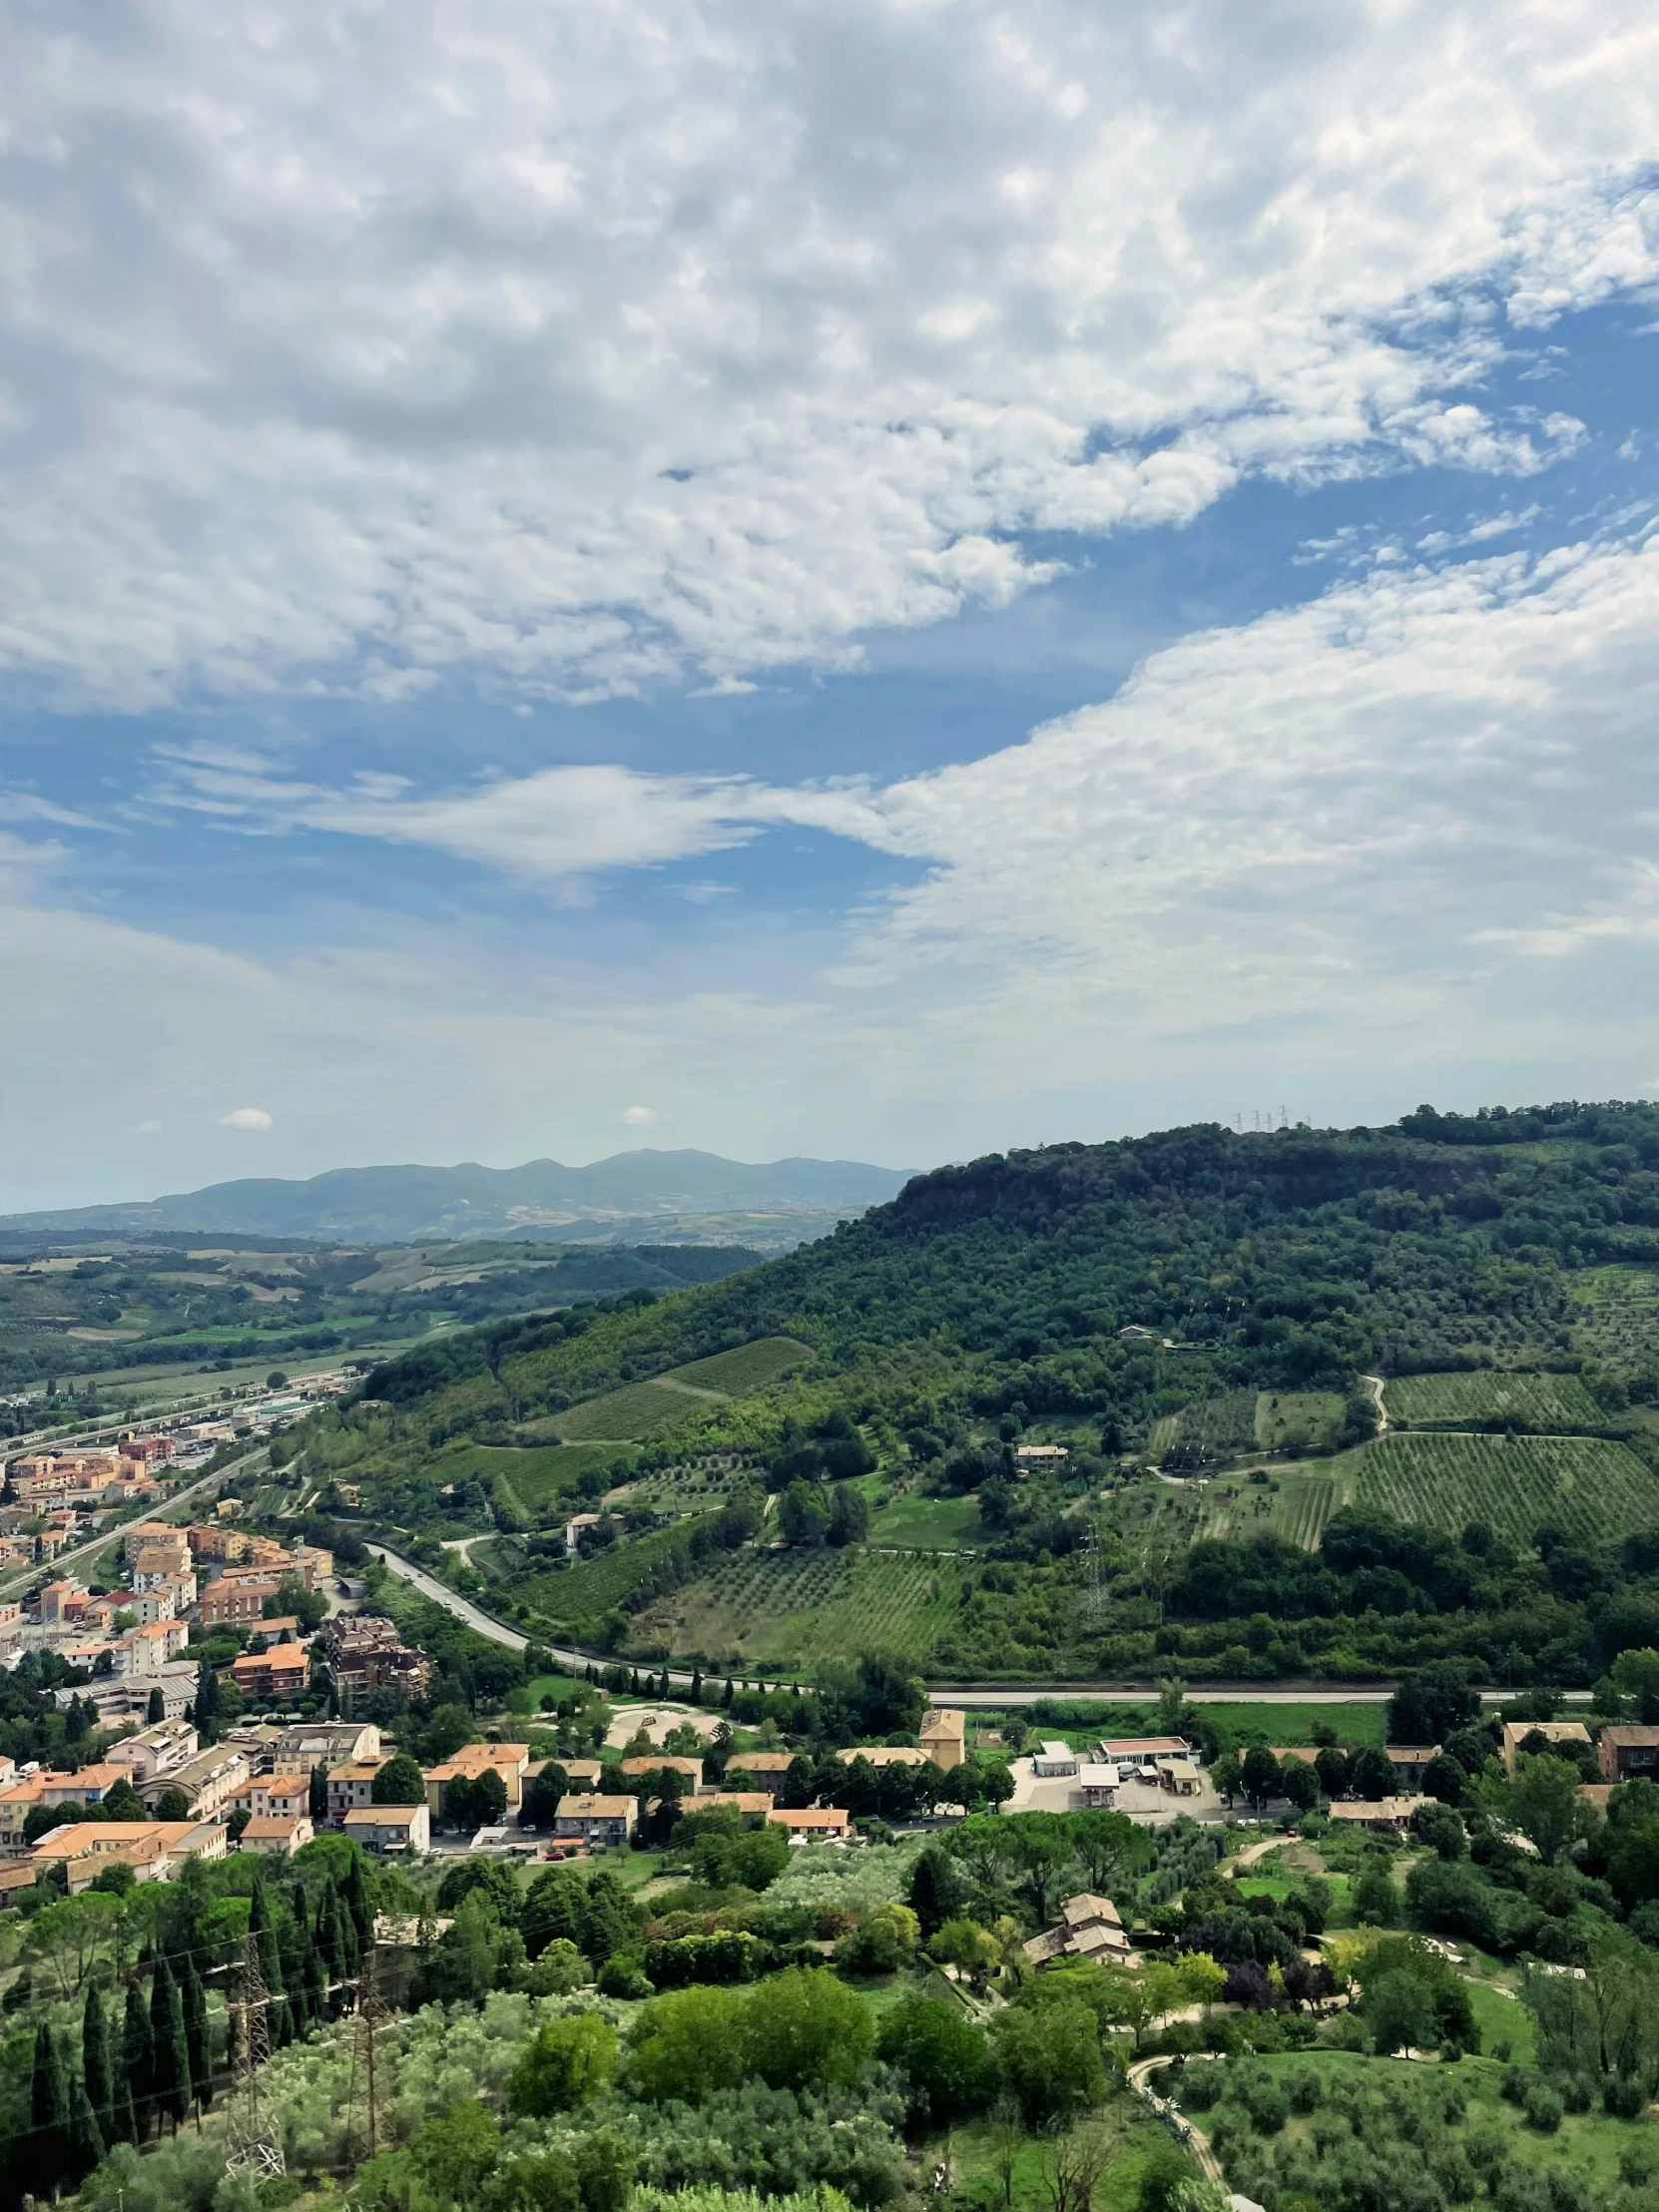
{"x": 970, "y": 2152}
{"x": 745, "y": 1369}
{"x": 577, "y": 1598}
{"x": 628, "y": 1415}
{"x": 928, "y": 1523}
{"x": 1306, "y": 1418}
{"x": 536, "y": 1479}
{"x": 796, "y": 1608}
{"x": 1538, "y": 1400}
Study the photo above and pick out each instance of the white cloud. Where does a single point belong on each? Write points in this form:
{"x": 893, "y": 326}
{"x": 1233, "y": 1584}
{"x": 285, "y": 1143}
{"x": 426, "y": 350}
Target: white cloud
{"x": 246, "y": 1117}
{"x": 149, "y": 1128}
{"x": 640, "y": 1117}
{"x": 350, "y": 348}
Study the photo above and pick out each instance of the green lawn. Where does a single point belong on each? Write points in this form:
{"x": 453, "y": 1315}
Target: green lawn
{"x": 972, "y": 2153}
{"x": 928, "y": 1523}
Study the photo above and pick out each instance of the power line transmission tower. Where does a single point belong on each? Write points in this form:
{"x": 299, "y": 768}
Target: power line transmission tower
{"x": 371, "y": 2013}
{"x": 255, "y": 2138}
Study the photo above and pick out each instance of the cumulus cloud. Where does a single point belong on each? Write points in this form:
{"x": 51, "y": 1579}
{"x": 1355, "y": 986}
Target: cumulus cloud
{"x": 348, "y": 350}
{"x": 640, "y": 1117}
{"x": 246, "y": 1117}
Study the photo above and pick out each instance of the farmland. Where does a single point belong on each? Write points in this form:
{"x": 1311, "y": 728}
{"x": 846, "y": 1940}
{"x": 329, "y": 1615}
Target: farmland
{"x": 1294, "y": 1506}
{"x": 928, "y": 1523}
{"x": 1530, "y": 1401}
{"x": 1591, "y": 1487}
{"x": 534, "y": 1478}
{"x": 1303, "y": 1417}
{"x": 1216, "y": 1430}
{"x": 627, "y": 1415}
{"x": 745, "y": 1369}
{"x": 798, "y": 1608}
{"x": 577, "y": 1599}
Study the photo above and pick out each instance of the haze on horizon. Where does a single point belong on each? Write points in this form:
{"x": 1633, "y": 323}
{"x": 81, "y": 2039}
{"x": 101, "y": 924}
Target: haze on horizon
{"x": 872, "y": 584}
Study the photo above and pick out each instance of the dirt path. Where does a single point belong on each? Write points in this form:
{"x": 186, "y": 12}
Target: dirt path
{"x": 1373, "y": 1385}
{"x": 1196, "y": 2146}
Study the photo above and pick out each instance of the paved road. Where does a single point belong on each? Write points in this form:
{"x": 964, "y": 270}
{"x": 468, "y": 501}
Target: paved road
{"x": 205, "y": 1482}
{"x": 987, "y": 1695}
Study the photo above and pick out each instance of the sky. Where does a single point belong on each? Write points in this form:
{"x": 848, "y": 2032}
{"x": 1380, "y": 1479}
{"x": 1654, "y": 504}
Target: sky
{"x": 882, "y": 580}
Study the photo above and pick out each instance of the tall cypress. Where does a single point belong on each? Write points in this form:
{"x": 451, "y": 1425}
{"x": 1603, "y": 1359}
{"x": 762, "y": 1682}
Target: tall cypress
{"x": 270, "y": 1966}
{"x": 196, "y": 2032}
{"x": 86, "y": 2138}
{"x": 298, "y": 1951}
{"x": 138, "y": 2059}
{"x": 359, "y": 1904}
{"x": 48, "y": 2113}
{"x": 317, "y": 1803}
{"x": 325, "y": 1934}
{"x": 346, "y": 1946}
{"x": 96, "y": 2069}
{"x": 170, "y": 2044}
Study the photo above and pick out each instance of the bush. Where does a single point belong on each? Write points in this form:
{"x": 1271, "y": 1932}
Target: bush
{"x": 1623, "y": 2098}
{"x": 565, "y": 2062}
{"x": 1543, "y": 2107}
{"x": 943, "y": 2055}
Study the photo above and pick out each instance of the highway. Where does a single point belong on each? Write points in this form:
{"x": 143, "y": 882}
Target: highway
{"x": 996, "y": 1697}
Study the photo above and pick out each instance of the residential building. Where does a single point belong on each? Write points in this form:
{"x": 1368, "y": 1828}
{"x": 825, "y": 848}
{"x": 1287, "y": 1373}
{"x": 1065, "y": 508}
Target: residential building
{"x": 1411, "y": 1763}
{"x": 224, "y": 1602}
{"x": 813, "y": 1824}
{"x": 762, "y": 1770}
{"x": 943, "y": 1736}
{"x": 210, "y": 1542}
{"x": 154, "y": 1849}
{"x": 1515, "y": 1733}
{"x": 351, "y": 1787}
{"x": 86, "y": 1786}
{"x": 161, "y": 1561}
{"x": 1625, "y": 1751}
{"x": 1090, "y": 1929}
{"x": 116, "y": 1698}
{"x": 276, "y": 1797}
{"x": 661, "y": 1761}
{"x": 140, "y": 1535}
{"x": 884, "y": 1755}
{"x": 276, "y": 1675}
{"x": 391, "y": 1828}
{"x": 278, "y": 1835}
{"x": 311, "y": 1744}
{"x": 1053, "y": 1761}
{"x": 509, "y": 1761}
{"x": 156, "y": 1750}
{"x": 17, "y": 1800}
{"x": 582, "y": 1774}
{"x": 164, "y": 1601}
{"x": 754, "y": 1802}
{"x": 1389, "y": 1816}
{"x": 209, "y": 1781}
{"x": 145, "y": 1650}
{"x": 365, "y": 1652}
{"x": 1041, "y": 1459}
{"x": 595, "y": 1821}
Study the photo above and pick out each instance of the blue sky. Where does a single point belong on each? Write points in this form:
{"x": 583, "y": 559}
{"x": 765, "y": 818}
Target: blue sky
{"x": 878, "y": 582}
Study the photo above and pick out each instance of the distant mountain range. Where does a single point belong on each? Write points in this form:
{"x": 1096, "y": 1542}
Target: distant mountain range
{"x": 397, "y": 1205}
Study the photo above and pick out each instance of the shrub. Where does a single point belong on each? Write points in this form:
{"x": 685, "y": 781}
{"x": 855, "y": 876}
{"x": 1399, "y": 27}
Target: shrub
{"x": 565, "y": 2062}
{"x": 1542, "y": 2108}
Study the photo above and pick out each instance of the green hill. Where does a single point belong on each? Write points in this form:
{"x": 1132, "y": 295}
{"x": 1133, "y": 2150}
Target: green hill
{"x": 1198, "y": 1299}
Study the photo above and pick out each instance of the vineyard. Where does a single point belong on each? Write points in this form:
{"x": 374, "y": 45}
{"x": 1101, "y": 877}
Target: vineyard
{"x": 576, "y": 1599}
{"x": 1530, "y": 1401}
{"x": 1212, "y": 1429}
{"x": 797, "y": 1609}
{"x": 1295, "y": 1506}
{"x": 745, "y": 1369}
{"x": 628, "y": 1415}
{"x": 1593, "y": 1489}
{"x": 534, "y": 1479}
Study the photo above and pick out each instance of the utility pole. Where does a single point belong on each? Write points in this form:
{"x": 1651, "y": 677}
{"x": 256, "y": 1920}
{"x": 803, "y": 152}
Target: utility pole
{"x": 370, "y": 2013}
{"x": 255, "y": 2138}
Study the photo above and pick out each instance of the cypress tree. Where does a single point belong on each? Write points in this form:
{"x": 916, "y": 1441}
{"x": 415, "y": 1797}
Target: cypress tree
{"x": 96, "y": 2070}
{"x": 156, "y": 1710}
{"x": 697, "y": 1686}
{"x": 138, "y": 2059}
{"x": 319, "y": 1802}
{"x": 270, "y": 1965}
{"x": 49, "y": 2113}
{"x": 729, "y": 1694}
{"x": 345, "y": 1941}
{"x": 86, "y": 2138}
{"x": 298, "y": 1954}
{"x": 170, "y": 2045}
{"x": 319, "y": 2001}
{"x": 359, "y": 1904}
{"x": 196, "y": 2032}
{"x": 323, "y": 1931}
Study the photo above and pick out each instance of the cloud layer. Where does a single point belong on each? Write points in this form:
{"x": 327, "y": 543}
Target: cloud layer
{"x": 577, "y": 353}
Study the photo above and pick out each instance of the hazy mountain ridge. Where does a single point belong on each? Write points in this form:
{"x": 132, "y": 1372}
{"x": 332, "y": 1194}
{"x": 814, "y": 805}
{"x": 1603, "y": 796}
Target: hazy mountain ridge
{"x": 396, "y": 1204}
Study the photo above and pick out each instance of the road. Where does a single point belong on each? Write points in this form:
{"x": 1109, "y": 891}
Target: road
{"x": 105, "y": 1537}
{"x": 990, "y": 1695}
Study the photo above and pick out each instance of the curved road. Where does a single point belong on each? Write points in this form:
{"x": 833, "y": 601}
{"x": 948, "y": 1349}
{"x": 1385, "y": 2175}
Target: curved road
{"x": 991, "y": 1695}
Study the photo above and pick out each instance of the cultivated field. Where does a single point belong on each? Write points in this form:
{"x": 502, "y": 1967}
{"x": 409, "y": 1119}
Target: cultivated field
{"x": 576, "y": 1599}
{"x": 1585, "y": 1485}
{"x": 628, "y": 1415}
{"x": 1536, "y": 1401}
{"x": 1216, "y": 1430}
{"x": 534, "y": 1478}
{"x": 1306, "y": 1418}
{"x": 1294, "y": 1507}
{"x": 745, "y": 1369}
{"x": 798, "y": 1608}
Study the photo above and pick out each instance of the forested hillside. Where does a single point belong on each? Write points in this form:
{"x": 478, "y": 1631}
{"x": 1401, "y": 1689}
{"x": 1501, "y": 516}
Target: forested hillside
{"x": 1229, "y": 1309}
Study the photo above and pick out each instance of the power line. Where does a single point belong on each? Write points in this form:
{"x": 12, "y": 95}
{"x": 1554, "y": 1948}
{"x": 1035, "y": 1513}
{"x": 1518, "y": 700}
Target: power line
{"x": 256, "y": 2139}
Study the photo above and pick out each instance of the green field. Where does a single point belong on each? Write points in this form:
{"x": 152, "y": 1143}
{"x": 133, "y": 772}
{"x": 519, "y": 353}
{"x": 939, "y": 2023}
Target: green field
{"x": 928, "y": 1523}
{"x": 628, "y": 1415}
{"x": 534, "y": 1477}
{"x": 745, "y": 1369}
{"x": 1295, "y": 1506}
{"x": 796, "y": 1608}
{"x": 576, "y": 1599}
{"x": 1585, "y": 1485}
{"x": 1536, "y": 1401}
{"x": 1306, "y": 1418}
